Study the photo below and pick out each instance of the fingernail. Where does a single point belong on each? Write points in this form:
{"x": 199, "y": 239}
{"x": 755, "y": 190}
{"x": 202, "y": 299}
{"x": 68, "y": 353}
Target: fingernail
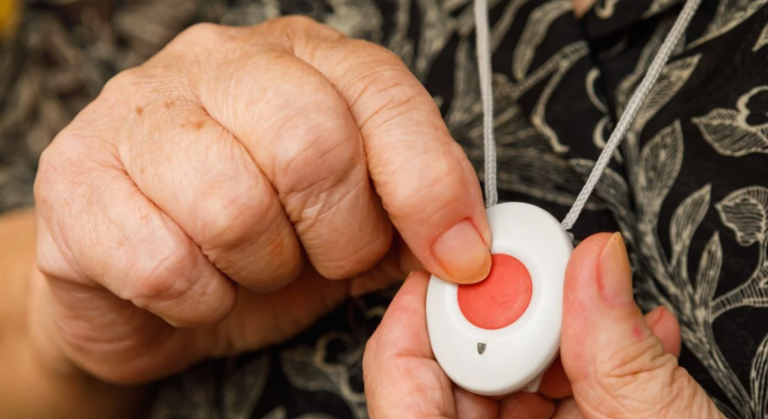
{"x": 655, "y": 316}
{"x": 615, "y": 281}
{"x": 463, "y": 254}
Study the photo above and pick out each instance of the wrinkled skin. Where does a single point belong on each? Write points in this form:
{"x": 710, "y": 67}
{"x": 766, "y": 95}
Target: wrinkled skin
{"x": 614, "y": 362}
{"x": 240, "y": 184}
{"x": 244, "y": 181}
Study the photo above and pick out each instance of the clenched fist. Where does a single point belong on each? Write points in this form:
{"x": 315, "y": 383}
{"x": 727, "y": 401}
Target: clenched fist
{"x": 200, "y": 205}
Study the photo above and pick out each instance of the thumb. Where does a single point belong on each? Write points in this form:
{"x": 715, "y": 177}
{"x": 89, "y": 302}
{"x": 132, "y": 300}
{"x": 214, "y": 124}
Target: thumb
{"x": 618, "y": 368}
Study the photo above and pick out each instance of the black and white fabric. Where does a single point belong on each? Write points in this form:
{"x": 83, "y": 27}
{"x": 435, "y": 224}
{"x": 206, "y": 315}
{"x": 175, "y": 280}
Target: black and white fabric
{"x": 688, "y": 189}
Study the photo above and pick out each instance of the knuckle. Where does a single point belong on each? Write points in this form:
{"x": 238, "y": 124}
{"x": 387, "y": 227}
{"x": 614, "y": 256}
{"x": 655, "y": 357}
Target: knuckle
{"x": 296, "y": 22}
{"x": 296, "y": 32}
{"x": 643, "y": 380}
{"x": 203, "y": 34}
{"x": 389, "y": 93}
{"x": 47, "y": 171}
{"x": 390, "y": 106}
{"x": 60, "y": 168}
{"x": 202, "y": 30}
{"x": 307, "y": 172}
{"x": 383, "y": 83}
{"x": 228, "y": 217}
{"x": 63, "y": 185}
{"x": 47, "y": 267}
{"x": 439, "y": 189}
{"x": 130, "y": 80}
{"x": 51, "y": 261}
{"x": 637, "y": 358}
{"x": 165, "y": 272}
{"x": 355, "y": 260}
{"x": 379, "y": 55}
{"x": 299, "y": 28}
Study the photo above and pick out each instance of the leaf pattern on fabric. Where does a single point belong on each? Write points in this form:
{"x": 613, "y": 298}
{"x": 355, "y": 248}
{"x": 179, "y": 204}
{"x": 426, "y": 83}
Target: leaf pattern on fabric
{"x": 243, "y": 390}
{"x": 278, "y": 413}
{"x": 729, "y": 132}
{"x": 707, "y": 277}
{"x": 598, "y": 134}
{"x": 193, "y": 396}
{"x": 664, "y": 280}
{"x": 605, "y": 8}
{"x": 759, "y": 378}
{"x": 744, "y": 212}
{"x": 437, "y": 27}
{"x": 334, "y": 363}
{"x": 675, "y": 73}
{"x": 554, "y": 69}
{"x": 685, "y": 221}
{"x": 356, "y": 19}
{"x": 251, "y": 13}
{"x": 693, "y": 303}
{"x": 529, "y": 165}
{"x": 398, "y": 41}
{"x": 501, "y": 28}
{"x": 671, "y": 80}
{"x": 535, "y": 30}
{"x": 724, "y": 130}
{"x": 762, "y": 40}
{"x": 659, "y": 6}
{"x": 589, "y": 84}
{"x": 642, "y": 189}
{"x": 658, "y": 166}
{"x": 730, "y": 13}
{"x": 660, "y": 163}
{"x": 611, "y": 187}
{"x": 601, "y": 132}
{"x": 540, "y": 175}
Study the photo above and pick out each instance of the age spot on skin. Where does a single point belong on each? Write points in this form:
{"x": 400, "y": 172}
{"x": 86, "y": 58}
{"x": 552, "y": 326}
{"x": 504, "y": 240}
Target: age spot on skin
{"x": 196, "y": 125}
{"x": 139, "y": 110}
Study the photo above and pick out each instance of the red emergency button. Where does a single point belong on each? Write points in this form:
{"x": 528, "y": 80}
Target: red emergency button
{"x": 501, "y": 298}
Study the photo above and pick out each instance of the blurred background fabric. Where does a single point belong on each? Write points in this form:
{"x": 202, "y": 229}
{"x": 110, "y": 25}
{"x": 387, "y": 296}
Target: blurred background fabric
{"x": 560, "y": 83}
{"x": 56, "y": 56}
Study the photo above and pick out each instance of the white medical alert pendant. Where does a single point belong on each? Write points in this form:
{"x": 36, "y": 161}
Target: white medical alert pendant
{"x": 500, "y": 335}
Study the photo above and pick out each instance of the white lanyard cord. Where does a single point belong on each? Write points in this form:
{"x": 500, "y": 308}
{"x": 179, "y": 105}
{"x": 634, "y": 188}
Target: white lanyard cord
{"x": 625, "y": 122}
{"x": 482, "y": 35}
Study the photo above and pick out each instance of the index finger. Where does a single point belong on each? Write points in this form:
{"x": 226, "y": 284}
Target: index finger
{"x": 424, "y": 178}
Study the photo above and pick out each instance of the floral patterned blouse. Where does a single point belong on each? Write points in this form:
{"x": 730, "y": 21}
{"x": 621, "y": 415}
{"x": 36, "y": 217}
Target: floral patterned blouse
{"x": 688, "y": 189}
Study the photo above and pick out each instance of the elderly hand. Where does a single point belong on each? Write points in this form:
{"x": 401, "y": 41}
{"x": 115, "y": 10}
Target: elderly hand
{"x": 616, "y": 364}
{"x": 175, "y": 213}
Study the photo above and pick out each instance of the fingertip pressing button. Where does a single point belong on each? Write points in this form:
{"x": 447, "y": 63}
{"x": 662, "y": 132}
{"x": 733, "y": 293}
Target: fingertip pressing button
{"x": 501, "y": 298}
